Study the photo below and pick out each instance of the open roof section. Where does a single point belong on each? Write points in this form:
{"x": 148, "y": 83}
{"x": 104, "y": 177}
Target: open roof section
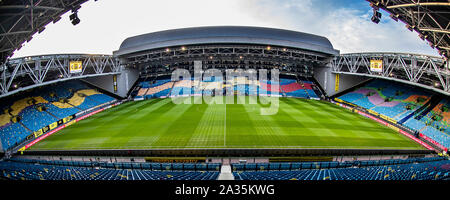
{"x": 21, "y": 19}
{"x": 429, "y": 18}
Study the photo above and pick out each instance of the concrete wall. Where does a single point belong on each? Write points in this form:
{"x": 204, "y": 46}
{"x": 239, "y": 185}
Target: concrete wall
{"x": 347, "y": 81}
{"x": 103, "y": 82}
{"x": 321, "y": 74}
{"x": 327, "y": 80}
{"x": 125, "y": 81}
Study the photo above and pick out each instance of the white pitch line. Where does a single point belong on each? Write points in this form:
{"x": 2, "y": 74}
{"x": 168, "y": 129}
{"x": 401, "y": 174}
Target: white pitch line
{"x": 232, "y": 147}
{"x": 225, "y": 127}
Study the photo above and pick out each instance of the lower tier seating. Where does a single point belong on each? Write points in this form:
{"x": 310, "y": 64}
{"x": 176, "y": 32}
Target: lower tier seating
{"x": 431, "y": 170}
{"x": 33, "y": 110}
{"x": 412, "y": 107}
{"x": 240, "y": 85}
{"x": 24, "y": 171}
{"x": 29, "y": 169}
{"x": 13, "y": 134}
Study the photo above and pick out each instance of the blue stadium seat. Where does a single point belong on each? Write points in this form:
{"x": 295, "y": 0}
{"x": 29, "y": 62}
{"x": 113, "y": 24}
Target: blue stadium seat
{"x": 32, "y": 119}
{"x": 26, "y": 171}
{"x": 429, "y": 169}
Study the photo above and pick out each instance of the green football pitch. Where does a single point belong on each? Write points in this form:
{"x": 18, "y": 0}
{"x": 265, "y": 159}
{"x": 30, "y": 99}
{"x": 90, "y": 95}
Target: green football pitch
{"x": 162, "y": 124}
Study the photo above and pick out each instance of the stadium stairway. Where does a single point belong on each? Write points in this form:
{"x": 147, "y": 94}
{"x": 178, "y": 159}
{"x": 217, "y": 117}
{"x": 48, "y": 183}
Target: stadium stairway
{"x": 145, "y": 85}
{"x": 318, "y": 88}
{"x": 135, "y": 89}
{"x": 52, "y": 114}
{"x": 424, "y": 110}
{"x": 75, "y": 106}
{"x": 282, "y": 91}
{"x": 225, "y": 173}
{"x": 171, "y": 88}
{"x": 435, "y": 99}
{"x": 304, "y": 88}
{"x": 23, "y": 125}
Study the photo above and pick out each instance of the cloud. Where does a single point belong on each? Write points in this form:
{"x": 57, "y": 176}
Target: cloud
{"x": 349, "y": 28}
{"x": 105, "y": 24}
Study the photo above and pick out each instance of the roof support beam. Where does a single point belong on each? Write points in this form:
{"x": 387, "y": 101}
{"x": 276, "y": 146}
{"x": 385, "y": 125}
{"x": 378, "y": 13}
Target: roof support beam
{"x": 34, "y": 7}
{"x": 37, "y": 69}
{"x": 435, "y": 30}
{"x": 446, "y": 48}
{"x": 419, "y": 4}
{"x": 14, "y": 33}
{"x": 420, "y": 70}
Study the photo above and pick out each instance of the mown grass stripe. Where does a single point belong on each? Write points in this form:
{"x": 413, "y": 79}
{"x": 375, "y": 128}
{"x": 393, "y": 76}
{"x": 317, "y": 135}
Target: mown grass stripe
{"x": 160, "y": 123}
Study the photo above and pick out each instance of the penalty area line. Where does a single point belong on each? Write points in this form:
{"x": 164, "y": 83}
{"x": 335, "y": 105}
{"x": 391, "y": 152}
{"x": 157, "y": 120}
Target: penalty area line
{"x": 225, "y": 127}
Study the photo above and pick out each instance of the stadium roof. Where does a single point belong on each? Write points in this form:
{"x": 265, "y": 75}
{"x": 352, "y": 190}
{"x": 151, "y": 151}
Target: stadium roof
{"x": 226, "y": 34}
{"x": 21, "y": 19}
{"x": 429, "y": 18}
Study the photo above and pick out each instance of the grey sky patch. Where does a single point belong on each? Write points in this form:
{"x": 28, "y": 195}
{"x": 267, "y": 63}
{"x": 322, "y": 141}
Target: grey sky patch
{"x": 105, "y": 24}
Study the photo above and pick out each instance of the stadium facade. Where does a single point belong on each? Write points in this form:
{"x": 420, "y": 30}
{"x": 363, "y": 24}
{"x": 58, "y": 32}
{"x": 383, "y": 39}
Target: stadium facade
{"x": 226, "y": 47}
{"x": 146, "y": 58}
{"x": 158, "y": 54}
{"x": 404, "y": 92}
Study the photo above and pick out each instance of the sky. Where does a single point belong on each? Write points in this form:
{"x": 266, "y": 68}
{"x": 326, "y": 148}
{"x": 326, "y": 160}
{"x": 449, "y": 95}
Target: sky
{"x": 106, "y": 23}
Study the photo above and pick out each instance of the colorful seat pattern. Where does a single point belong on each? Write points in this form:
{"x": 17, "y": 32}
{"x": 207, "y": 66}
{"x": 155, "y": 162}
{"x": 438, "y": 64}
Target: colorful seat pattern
{"x": 44, "y": 106}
